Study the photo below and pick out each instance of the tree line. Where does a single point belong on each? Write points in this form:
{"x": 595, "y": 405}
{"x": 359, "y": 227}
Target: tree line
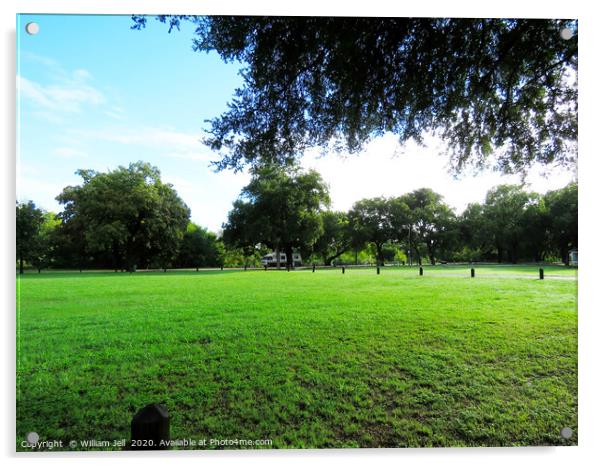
{"x": 124, "y": 219}
{"x": 127, "y": 219}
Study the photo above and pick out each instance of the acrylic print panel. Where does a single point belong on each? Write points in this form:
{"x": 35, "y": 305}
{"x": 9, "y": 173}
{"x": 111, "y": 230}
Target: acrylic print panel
{"x": 229, "y": 236}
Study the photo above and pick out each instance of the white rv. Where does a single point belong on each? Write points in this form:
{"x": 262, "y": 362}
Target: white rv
{"x": 271, "y": 259}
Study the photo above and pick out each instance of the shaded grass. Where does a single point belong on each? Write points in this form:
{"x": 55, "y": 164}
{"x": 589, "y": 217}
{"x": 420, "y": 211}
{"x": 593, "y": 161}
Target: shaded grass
{"x": 306, "y": 360}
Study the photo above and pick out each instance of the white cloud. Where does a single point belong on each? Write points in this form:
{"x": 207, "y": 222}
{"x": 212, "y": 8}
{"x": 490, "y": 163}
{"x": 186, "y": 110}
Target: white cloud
{"x": 116, "y": 113}
{"x": 211, "y": 200}
{"x": 69, "y": 152}
{"x": 69, "y": 96}
{"x": 82, "y": 74}
{"x": 174, "y": 144}
{"x": 384, "y": 168}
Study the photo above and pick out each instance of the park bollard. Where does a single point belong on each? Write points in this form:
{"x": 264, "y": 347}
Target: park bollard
{"x": 421, "y": 272}
{"x": 377, "y": 270}
{"x": 343, "y": 270}
{"x": 150, "y": 426}
{"x": 472, "y": 273}
{"x": 313, "y": 269}
{"x": 541, "y": 274}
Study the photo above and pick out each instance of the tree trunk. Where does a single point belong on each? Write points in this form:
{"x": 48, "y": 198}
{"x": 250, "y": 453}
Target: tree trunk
{"x": 430, "y": 254}
{"x": 564, "y": 253}
{"x": 277, "y": 257}
{"x": 380, "y": 260}
{"x": 21, "y": 265}
{"x": 418, "y": 256}
{"x": 289, "y": 256}
{"x": 329, "y": 260}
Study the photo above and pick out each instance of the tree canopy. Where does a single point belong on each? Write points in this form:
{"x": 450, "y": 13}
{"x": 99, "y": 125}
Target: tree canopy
{"x": 279, "y": 208}
{"x": 199, "y": 248}
{"x": 29, "y": 221}
{"x": 335, "y": 239}
{"x": 431, "y": 221}
{"x": 372, "y": 221}
{"x": 498, "y": 91}
{"x": 128, "y": 214}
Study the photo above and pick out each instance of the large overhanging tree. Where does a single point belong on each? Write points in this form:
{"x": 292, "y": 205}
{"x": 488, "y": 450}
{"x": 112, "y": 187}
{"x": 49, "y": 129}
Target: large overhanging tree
{"x": 499, "y": 91}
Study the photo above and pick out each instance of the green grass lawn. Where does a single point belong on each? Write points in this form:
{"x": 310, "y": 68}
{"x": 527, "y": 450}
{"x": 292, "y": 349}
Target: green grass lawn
{"x": 308, "y": 360}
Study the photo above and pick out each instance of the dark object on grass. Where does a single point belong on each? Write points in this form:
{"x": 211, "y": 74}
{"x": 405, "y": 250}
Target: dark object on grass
{"x": 377, "y": 270}
{"x": 472, "y": 273}
{"x": 343, "y": 270}
{"x": 541, "y": 274}
{"x": 421, "y": 271}
{"x": 313, "y": 269}
{"x": 150, "y": 426}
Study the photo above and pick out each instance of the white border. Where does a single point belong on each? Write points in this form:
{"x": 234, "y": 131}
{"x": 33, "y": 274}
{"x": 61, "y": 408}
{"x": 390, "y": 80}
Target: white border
{"x": 590, "y": 170}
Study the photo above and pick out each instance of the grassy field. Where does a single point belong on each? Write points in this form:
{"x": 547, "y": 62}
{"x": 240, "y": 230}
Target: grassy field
{"x": 307, "y": 360}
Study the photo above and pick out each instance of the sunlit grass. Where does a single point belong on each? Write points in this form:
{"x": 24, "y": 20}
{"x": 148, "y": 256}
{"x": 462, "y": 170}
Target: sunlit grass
{"x": 304, "y": 359}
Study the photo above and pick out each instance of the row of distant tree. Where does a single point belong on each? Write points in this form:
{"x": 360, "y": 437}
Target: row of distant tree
{"x": 286, "y": 209}
{"x": 127, "y": 219}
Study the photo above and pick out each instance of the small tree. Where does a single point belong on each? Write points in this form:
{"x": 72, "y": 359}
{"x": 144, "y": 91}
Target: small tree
{"x": 371, "y": 221}
{"x": 46, "y": 243}
{"x": 563, "y": 211}
{"x": 199, "y": 248}
{"x": 335, "y": 239}
{"x": 431, "y": 222}
{"x": 29, "y": 221}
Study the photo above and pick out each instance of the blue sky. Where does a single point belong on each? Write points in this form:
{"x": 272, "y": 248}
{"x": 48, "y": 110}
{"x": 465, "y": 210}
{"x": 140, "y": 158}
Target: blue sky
{"x": 92, "y": 93}
{"x": 95, "y": 94}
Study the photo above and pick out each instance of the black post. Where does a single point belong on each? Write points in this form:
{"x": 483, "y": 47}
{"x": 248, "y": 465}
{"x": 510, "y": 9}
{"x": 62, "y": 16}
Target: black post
{"x": 377, "y": 270}
{"x": 541, "y": 274}
{"x": 421, "y": 271}
{"x": 150, "y": 426}
{"x": 265, "y": 267}
{"x": 343, "y": 270}
{"x": 222, "y": 267}
{"x": 313, "y": 269}
{"x": 472, "y": 273}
